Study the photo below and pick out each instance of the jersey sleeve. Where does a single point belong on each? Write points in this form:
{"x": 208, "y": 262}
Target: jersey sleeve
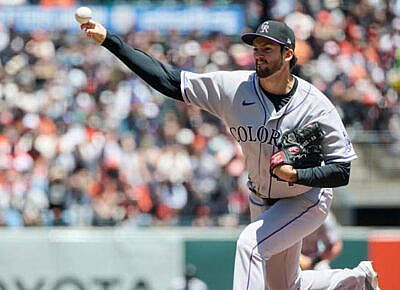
{"x": 336, "y": 145}
{"x": 205, "y": 91}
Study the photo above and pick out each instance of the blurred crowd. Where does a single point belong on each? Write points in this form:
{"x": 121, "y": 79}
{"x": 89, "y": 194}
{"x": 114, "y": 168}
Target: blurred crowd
{"x": 84, "y": 142}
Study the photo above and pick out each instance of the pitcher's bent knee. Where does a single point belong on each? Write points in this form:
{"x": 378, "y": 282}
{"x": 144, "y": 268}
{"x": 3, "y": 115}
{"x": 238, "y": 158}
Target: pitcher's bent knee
{"x": 250, "y": 247}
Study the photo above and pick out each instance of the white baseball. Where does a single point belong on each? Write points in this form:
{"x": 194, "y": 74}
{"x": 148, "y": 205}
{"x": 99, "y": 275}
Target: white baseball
{"x": 83, "y": 14}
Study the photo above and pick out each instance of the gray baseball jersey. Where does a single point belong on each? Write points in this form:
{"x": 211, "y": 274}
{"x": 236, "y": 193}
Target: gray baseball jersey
{"x": 236, "y": 98}
{"x": 268, "y": 249}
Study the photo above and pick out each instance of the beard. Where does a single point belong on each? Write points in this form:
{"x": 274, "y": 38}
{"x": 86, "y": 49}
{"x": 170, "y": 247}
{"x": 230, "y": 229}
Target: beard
{"x": 263, "y": 71}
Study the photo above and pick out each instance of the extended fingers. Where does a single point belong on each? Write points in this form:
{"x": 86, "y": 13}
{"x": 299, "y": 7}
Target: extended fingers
{"x": 90, "y": 32}
{"x": 88, "y": 25}
{"x": 94, "y": 31}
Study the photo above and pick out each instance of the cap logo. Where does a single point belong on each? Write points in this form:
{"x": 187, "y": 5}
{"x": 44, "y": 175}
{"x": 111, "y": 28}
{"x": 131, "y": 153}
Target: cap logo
{"x": 264, "y": 27}
{"x": 289, "y": 41}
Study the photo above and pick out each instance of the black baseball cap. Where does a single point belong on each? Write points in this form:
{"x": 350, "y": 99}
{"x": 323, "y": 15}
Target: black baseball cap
{"x": 274, "y": 30}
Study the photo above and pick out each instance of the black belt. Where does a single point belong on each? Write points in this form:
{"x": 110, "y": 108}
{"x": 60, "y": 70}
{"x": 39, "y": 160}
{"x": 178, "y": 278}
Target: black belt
{"x": 267, "y": 200}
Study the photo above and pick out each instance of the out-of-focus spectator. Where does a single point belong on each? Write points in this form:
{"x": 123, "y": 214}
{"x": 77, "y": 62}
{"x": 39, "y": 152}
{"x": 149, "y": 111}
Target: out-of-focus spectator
{"x": 188, "y": 281}
{"x": 321, "y": 246}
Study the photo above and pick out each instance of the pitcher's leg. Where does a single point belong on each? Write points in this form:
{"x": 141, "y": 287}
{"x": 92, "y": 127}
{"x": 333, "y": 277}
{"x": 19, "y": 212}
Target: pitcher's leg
{"x": 343, "y": 279}
{"x": 249, "y": 272}
{"x": 362, "y": 277}
{"x": 240, "y": 277}
{"x": 284, "y": 268}
{"x": 279, "y": 228}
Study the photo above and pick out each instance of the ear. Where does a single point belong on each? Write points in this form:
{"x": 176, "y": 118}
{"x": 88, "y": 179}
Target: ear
{"x": 289, "y": 54}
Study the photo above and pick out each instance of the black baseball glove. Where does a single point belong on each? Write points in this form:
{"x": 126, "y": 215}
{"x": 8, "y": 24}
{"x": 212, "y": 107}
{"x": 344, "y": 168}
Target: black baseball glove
{"x": 300, "y": 148}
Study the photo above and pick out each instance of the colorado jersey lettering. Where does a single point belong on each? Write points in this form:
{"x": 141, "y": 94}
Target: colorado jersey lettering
{"x": 260, "y": 134}
{"x": 236, "y": 98}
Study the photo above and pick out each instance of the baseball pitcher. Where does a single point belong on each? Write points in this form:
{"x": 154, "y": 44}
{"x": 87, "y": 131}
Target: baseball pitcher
{"x": 295, "y": 147}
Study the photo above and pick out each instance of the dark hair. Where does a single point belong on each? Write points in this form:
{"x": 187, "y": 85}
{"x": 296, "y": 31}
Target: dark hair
{"x": 293, "y": 60}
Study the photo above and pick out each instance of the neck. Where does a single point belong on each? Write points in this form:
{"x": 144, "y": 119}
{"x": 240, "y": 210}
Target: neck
{"x": 279, "y": 83}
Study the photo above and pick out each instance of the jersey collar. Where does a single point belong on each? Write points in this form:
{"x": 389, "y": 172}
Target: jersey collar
{"x": 297, "y": 98}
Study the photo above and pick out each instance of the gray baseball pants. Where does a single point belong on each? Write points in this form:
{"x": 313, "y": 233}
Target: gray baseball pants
{"x": 268, "y": 249}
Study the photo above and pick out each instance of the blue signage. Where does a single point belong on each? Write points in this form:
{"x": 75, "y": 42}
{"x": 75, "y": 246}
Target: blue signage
{"x": 228, "y": 19}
